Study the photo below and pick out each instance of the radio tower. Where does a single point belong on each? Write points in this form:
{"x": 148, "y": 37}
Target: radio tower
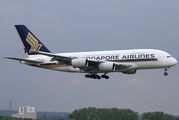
{"x": 10, "y": 107}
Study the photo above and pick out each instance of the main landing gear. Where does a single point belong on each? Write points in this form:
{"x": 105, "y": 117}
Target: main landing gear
{"x": 95, "y": 76}
{"x": 105, "y": 76}
{"x": 165, "y": 73}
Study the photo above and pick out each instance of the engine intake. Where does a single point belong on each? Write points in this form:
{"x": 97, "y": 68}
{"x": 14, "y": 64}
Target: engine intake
{"x": 81, "y": 62}
{"x": 108, "y": 66}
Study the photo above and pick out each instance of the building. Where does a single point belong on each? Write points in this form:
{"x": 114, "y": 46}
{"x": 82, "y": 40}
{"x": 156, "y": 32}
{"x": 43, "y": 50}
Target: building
{"x": 26, "y": 111}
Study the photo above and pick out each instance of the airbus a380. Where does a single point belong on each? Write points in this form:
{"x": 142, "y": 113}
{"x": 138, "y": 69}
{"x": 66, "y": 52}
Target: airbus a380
{"x": 91, "y": 63}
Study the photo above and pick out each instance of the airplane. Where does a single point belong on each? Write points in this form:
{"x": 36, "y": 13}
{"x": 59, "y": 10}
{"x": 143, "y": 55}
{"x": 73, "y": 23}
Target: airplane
{"x": 91, "y": 63}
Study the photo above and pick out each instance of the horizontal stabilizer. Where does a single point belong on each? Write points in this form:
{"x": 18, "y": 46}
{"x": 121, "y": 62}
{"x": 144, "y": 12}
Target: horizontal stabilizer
{"x": 27, "y": 60}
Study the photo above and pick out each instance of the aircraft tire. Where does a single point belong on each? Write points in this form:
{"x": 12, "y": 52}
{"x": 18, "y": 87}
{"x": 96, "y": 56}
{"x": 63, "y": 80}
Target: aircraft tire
{"x": 106, "y": 77}
{"x": 103, "y": 76}
{"x": 165, "y": 73}
{"x": 86, "y": 76}
{"x": 98, "y": 77}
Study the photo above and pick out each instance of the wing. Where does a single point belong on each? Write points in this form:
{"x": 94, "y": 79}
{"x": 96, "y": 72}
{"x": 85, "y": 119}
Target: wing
{"x": 93, "y": 64}
{"x": 120, "y": 66}
{"x": 27, "y": 61}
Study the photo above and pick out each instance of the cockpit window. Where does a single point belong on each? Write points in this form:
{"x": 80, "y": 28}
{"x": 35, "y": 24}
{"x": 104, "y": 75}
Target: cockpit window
{"x": 168, "y": 56}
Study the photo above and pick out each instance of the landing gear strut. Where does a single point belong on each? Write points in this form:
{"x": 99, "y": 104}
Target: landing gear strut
{"x": 165, "y": 73}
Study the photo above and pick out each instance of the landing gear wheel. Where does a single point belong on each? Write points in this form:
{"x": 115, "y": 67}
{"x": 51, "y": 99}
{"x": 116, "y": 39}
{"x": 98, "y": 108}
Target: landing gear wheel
{"x": 98, "y": 77}
{"x": 103, "y": 76}
{"x": 106, "y": 77}
{"x": 165, "y": 73}
{"x": 86, "y": 76}
{"x": 93, "y": 76}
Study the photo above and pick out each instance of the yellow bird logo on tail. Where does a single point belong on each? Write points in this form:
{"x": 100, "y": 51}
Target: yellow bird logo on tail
{"x": 33, "y": 42}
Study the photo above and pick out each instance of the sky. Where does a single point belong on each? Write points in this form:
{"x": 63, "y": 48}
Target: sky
{"x": 89, "y": 25}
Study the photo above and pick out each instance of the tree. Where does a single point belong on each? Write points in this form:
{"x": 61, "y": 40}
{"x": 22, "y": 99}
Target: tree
{"x": 44, "y": 116}
{"x": 93, "y": 113}
{"x": 157, "y": 116}
{"x": 61, "y": 118}
{"x": 177, "y": 118}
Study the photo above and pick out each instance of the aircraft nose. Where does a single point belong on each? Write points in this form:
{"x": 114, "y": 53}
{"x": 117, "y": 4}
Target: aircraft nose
{"x": 174, "y": 61}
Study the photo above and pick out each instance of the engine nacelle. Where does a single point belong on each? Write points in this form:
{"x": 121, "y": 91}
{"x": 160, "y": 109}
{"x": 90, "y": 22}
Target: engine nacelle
{"x": 129, "y": 72}
{"x": 81, "y": 63}
{"x": 108, "y": 66}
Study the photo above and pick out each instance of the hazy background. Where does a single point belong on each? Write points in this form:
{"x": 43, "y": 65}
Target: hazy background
{"x": 81, "y": 25}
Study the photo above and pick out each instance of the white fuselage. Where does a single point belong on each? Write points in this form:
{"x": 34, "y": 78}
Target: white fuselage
{"x": 139, "y": 58}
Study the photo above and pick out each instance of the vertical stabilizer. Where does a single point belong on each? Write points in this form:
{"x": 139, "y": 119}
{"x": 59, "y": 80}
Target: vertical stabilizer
{"x": 29, "y": 41}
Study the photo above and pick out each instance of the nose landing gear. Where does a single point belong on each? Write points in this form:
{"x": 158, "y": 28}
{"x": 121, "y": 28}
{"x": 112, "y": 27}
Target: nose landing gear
{"x": 165, "y": 73}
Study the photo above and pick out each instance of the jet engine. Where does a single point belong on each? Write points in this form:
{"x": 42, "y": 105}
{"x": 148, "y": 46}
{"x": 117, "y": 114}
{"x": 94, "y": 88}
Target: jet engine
{"x": 81, "y": 62}
{"x": 108, "y": 66}
{"x": 129, "y": 72}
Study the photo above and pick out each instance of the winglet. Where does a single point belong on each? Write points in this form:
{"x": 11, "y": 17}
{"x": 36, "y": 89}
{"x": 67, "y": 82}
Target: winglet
{"x": 29, "y": 41}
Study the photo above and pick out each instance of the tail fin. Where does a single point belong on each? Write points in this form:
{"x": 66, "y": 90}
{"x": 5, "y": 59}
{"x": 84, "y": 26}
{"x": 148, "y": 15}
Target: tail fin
{"x": 29, "y": 41}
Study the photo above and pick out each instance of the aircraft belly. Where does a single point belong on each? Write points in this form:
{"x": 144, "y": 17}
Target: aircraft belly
{"x": 150, "y": 65}
{"x": 145, "y": 65}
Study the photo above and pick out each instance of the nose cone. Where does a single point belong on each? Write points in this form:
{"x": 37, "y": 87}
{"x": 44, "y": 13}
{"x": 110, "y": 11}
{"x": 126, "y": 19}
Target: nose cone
{"x": 174, "y": 61}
